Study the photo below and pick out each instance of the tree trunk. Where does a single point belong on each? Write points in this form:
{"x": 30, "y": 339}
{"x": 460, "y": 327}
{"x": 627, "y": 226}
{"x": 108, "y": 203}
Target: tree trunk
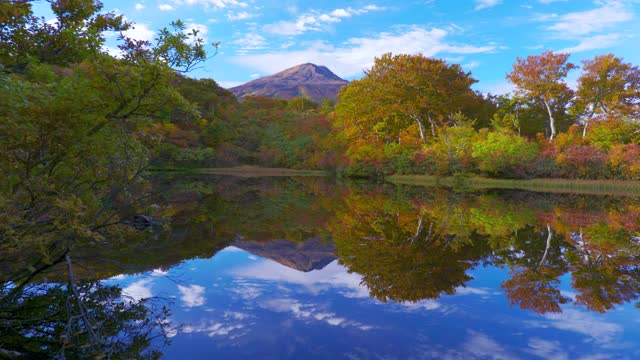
{"x": 552, "y": 122}
{"x": 84, "y": 313}
{"x": 433, "y": 127}
{"x": 421, "y": 128}
{"x": 584, "y": 129}
{"x": 546, "y": 249}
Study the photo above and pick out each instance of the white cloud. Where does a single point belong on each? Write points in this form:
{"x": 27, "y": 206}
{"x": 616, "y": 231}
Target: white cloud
{"x": 428, "y": 304}
{"x": 215, "y": 4}
{"x": 230, "y": 249}
{"x": 477, "y": 346}
{"x": 52, "y": 22}
{"x": 309, "y": 312}
{"x": 580, "y": 322}
{"x": 328, "y": 18}
{"x": 229, "y": 84}
{"x": 212, "y": 329}
{"x": 473, "y": 291}
{"x": 242, "y": 15}
{"x": 594, "y": 43}
{"x": 316, "y": 281}
{"x": 341, "y": 13}
{"x": 139, "y": 6}
{"x": 314, "y": 21}
{"x": 246, "y": 290}
{"x": 547, "y": 349}
{"x": 165, "y": 7}
{"x": 250, "y": 42}
{"x": 483, "y": 4}
{"x": 471, "y": 65}
{"x": 140, "y": 32}
{"x": 236, "y": 315}
{"x": 140, "y": 289}
{"x": 302, "y": 24}
{"x": 499, "y": 88}
{"x": 579, "y": 23}
{"x": 201, "y": 29}
{"x": 158, "y": 272}
{"x": 357, "y": 54}
{"x": 485, "y": 347}
{"x": 597, "y": 356}
{"x": 192, "y": 295}
{"x": 374, "y": 8}
{"x": 549, "y": 1}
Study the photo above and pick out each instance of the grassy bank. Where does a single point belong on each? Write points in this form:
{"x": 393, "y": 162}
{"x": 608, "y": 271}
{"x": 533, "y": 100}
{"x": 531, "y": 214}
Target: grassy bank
{"x": 604, "y": 187}
{"x": 256, "y": 171}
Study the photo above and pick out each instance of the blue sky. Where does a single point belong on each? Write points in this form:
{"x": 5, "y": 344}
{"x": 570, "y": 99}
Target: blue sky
{"x": 259, "y": 38}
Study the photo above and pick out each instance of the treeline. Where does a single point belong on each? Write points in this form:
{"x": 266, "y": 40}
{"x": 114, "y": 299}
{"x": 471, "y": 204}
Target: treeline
{"x": 415, "y": 115}
{"x": 411, "y": 114}
{"x": 256, "y": 131}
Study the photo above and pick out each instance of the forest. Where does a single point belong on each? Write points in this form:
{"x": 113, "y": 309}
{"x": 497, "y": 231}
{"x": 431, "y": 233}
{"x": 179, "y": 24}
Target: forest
{"x": 411, "y": 114}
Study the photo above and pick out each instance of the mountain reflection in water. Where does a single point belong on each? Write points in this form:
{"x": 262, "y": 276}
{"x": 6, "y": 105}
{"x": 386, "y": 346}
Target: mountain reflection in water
{"x": 307, "y": 268}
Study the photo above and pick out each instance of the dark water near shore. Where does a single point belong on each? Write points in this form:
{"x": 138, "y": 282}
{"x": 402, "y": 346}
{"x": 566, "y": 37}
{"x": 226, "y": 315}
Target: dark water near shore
{"x": 309, "y": 268}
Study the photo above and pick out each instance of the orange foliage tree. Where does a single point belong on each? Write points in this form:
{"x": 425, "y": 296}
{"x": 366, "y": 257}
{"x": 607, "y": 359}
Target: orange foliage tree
{"x": 608, "y": 86}
{"x": 541, "y": 77}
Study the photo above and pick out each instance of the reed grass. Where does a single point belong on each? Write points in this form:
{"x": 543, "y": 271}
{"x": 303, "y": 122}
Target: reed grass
{"x": 602, "y": 187}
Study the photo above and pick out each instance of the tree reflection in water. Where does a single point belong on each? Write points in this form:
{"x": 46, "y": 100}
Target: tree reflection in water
{"x": 79, "y": 320}
{"x": 407, "y": 243}
{"x": 410, "y": 247}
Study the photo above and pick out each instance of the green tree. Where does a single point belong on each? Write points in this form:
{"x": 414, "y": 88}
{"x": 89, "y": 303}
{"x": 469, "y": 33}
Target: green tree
{"x": 77, "y": 33}
{"x": 71, "y": 140}
{"x": 404, "y": 90}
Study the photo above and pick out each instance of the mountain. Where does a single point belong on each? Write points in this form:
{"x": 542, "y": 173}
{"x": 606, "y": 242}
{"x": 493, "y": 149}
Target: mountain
{"x": 311, "y": 254}
{"x": 306, "y": 80}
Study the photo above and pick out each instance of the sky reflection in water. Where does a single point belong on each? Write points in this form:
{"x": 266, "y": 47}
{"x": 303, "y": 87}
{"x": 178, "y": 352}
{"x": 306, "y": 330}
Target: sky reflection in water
{"x": 239, "y": 305}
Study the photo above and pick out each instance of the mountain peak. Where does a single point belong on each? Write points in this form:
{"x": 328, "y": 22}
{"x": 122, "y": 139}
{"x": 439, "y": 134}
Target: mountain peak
{"x": 305, "y": 80}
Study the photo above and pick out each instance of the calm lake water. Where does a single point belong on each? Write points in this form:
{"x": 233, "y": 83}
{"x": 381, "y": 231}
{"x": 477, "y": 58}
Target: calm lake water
{"x": 304, "y": 268}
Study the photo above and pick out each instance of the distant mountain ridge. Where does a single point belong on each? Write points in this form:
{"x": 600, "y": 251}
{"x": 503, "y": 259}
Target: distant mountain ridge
{"x": 306, "y": 80}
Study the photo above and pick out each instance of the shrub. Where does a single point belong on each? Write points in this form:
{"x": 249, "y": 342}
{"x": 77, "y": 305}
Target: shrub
{"x": 400, "y": 159}
{"x": 624, "y": 161}
{"x": 609, "y": 132}
{"x": 504, "y": 153}
{"x": 452, "y": 153}
{"x": 584, "y": 162}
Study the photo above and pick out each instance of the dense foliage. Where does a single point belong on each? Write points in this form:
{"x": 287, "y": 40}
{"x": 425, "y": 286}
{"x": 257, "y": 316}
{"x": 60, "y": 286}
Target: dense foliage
{"x": 73, "y": 132}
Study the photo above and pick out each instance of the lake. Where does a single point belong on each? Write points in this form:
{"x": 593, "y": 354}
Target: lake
{"x": 308, "y": 267}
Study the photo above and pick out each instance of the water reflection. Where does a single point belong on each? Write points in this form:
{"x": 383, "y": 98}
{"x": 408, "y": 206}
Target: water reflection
{"x": 79, "y": 319}
{"x": 304, "y": 267}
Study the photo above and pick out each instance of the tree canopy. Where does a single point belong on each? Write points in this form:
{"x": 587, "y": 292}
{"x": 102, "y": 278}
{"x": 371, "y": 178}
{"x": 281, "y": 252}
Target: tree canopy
{"x": 542, "y": 77}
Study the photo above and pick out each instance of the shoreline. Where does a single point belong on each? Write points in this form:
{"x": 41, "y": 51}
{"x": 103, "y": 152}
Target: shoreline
{"x": 249, "y": 171}
{"x": 549, "y": 185}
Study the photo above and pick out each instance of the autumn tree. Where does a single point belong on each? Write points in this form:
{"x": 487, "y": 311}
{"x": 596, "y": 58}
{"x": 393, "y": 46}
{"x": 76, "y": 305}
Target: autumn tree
{"x": 609, "y": 87}
{"x": 404, "y": 90}
{"x": 541, "y": 77}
